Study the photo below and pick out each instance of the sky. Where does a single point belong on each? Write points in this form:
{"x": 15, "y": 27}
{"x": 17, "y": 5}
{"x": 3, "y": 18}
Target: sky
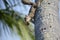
{"x": 23, "y": 8}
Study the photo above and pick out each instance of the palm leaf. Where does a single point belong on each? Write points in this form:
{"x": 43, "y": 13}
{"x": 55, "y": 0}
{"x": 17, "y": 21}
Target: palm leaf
{"x": 22, "y": 29}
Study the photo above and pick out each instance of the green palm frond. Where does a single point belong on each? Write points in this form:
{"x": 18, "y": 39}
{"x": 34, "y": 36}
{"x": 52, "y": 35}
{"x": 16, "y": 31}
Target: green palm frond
{"x": 22, "y": 29}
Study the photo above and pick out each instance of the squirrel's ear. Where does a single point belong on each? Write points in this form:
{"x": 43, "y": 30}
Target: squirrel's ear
{"x": 27, "y": 19}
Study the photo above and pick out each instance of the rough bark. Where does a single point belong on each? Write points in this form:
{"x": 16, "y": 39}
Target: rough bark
{"x": 47, "y": 21}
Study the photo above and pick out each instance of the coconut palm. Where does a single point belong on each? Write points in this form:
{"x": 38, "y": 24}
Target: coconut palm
{"x": 47, "y": 21}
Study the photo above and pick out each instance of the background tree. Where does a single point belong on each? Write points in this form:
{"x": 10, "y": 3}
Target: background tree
{"x": 47, "y": 21}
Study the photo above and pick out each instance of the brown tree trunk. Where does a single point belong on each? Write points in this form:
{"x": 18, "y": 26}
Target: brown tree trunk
{"x": 47, "y": 21}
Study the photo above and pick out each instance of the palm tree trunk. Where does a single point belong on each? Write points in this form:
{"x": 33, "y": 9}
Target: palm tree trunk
{"x": 47, "y": 21}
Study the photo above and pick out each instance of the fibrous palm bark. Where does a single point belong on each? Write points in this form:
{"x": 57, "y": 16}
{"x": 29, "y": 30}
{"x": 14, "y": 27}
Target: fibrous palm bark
{"x": 47, "y": 21}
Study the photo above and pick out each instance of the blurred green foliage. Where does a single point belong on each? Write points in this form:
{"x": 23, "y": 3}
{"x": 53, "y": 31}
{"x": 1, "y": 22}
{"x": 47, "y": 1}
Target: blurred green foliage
{"x": 13, "y": 20}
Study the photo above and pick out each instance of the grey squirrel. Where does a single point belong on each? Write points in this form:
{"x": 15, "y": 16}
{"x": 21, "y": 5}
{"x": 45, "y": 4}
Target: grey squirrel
{"x": 33, "y": 8}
